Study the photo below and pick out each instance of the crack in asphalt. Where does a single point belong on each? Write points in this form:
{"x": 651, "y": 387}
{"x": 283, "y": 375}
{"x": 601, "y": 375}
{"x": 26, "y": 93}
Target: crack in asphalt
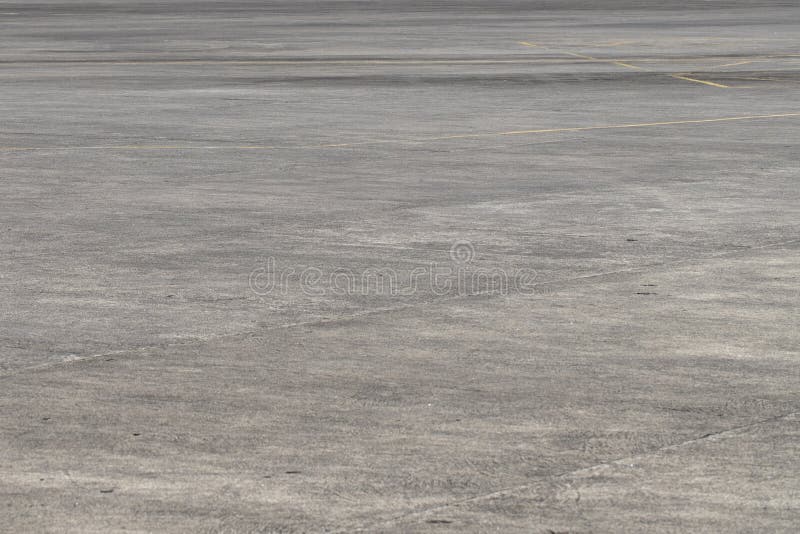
{"x": 392, "y": 309}
{"x": 566, "y": 475}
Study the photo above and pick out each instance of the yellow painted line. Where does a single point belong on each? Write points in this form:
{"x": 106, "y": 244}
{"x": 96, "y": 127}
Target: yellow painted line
{"x": 574, "y": 54}
{"x": 734, "y": 64}
{"x": 703, "y": 58}
{"x": 590, "y": 58}
{"x": 600, "y": 60}
{"x": 765, "y": 79}
{"x": 618, "y": 126}
{"x": 526, "y": 43}
{"x": 628, "y": 65}
{"x": 695, "y": 80}
{"x": 615, "y": 43}
{"x": 635, "y": 67}
{"x": 417, "y": 140}
{"x": 754, "y": 60}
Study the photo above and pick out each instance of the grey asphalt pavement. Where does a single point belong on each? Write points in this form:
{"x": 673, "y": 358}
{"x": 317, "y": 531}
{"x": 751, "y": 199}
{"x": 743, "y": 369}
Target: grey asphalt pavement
{"x": 399, "y": 266}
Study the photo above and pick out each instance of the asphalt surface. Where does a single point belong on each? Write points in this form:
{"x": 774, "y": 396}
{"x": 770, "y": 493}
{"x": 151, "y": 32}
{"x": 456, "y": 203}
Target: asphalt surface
{"x": 399, "y": 266}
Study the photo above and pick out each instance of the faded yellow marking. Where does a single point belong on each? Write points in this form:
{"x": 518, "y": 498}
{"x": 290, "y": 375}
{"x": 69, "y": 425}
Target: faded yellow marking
{"x": 765, "y": 79}
{"x": 705, "y": 58}
{"x": 575, "y": 54}
{"x": 615, "y": 43}
{"x": 755, "y": 59}
{"x": 526, "y": 43}
{"x": 704, "y": 82}
{"x": 418, "y": 140}
{"x": 734, "y": 64}
{"x": 618, "y": 126}
{"x": 630, "y": 66}
{"x": 602, "y": 60}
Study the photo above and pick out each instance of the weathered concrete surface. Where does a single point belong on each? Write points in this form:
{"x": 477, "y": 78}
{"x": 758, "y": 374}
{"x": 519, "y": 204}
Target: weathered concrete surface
{"x": 155, "y": 156}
